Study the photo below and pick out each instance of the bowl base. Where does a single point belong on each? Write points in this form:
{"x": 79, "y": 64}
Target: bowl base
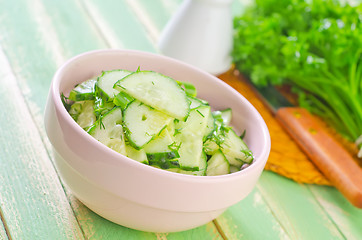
{"x": 127, "y": 213}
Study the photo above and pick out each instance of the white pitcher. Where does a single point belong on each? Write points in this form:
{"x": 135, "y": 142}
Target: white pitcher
{"x": 200, "y": 33}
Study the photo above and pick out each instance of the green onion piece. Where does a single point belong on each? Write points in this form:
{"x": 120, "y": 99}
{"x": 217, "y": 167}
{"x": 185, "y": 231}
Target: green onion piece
{"x": 189, "y": 88}
{"x": 122, "y": 99}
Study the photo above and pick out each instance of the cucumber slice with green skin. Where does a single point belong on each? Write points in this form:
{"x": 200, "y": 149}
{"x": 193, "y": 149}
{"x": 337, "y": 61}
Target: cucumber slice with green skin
{"x": 171, "y": 128}
{"x": 158, "y": 91}
{"x": 202, "y": 168}
{"x": 160, "y": 143}
{"x": 138, "y": 155}
{"x": 107, "y": 80}
{"x": 224, "y": 138}
{"x": 109, "y": 131}
{"x": 196, "y": 102}
{"x": 210, "y": 127}
{"x": 83, "y": 91}
{"x": 75, "y": 109}
{"x": 235, "y": 149}
{"x": 234, "y": 169}
{"x": 210, "y": 147}
{"x": 190, "y": 138}
{"x": 190, "y": 153}
{"x": 143, "y": 123}
{"x": 87, "y": 118}
{"x": 161, "y": 149}
{"x": 217, "y": 165}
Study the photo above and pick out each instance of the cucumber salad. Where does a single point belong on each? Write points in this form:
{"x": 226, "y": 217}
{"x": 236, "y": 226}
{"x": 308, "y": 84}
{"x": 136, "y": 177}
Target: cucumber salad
{"x": 158, "y": 121}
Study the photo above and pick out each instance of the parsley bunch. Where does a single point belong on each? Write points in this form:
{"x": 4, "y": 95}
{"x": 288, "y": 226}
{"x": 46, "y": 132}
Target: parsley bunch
{"x": 314, "y": 46}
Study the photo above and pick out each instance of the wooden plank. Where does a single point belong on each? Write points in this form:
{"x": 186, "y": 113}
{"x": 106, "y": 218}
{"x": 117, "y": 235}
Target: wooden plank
{"x": 251, "y": 218}
{"x": 96, "y": 227}
{"x": 33, "y": 203}
{"x": 296, "y": 208}
{"x": 345, "y": 216}
{"x": 39, "y": 37}
{"x": 154, "y": 15}
{"x": 207, "y": 231}
{"x": 118, "y": 25}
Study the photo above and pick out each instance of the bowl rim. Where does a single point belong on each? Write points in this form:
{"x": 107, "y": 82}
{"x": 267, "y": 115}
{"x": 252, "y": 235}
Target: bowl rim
{"x": 55, "y": 96}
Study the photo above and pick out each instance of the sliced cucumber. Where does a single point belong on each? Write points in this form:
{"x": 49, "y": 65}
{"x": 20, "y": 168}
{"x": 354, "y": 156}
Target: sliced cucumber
{"x": 156, "y": 120}
{"x": 195, "y": 125}
{"x": 210, "y": 147}
{"x": 83, "y": 91}
{"x": 158, "y": 91}
{"x": 190, "y": 155}
{"x": 83, "y": 113}
{"x": 161, "y": 152}
{"x": 143, "y": 123}
{"x": 118, "y": 145}
{"x": 234, "y": 169}
{"x": 171, "y": 128}
{"x": 109, "y": 131}
{"x": 160, "y": 143}
{"x": 107, "y": 80}
{"x": 102, "y": 106}
{"x": 217, "y": 165}
{"x": 210, "y": 127}
{"x": 75, "y": 109}
{"x": 190, "y": 138}
{"x": 138, "y": 155}
{"x": 202, "y": 167}
{"x": 235, "y": 149}
{"x": 87, "y": 118}
{"x": 196, "y": 102}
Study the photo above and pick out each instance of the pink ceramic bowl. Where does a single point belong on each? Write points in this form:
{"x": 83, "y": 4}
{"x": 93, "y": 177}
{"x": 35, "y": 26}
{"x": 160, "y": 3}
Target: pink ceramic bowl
{"x": 133, "y": 194}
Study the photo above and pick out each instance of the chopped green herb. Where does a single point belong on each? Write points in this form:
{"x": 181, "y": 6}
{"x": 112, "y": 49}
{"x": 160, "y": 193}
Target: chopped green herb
{"x": 177, "y": 131}
{"x": 65, "y": 101}
{"x": 174, "y": 146}
{"x": 200, "y": 113}
{"x": 242, "y": 135}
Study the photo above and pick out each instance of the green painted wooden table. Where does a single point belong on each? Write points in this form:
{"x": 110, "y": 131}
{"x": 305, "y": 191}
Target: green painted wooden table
{"x": 36, "y": 37}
